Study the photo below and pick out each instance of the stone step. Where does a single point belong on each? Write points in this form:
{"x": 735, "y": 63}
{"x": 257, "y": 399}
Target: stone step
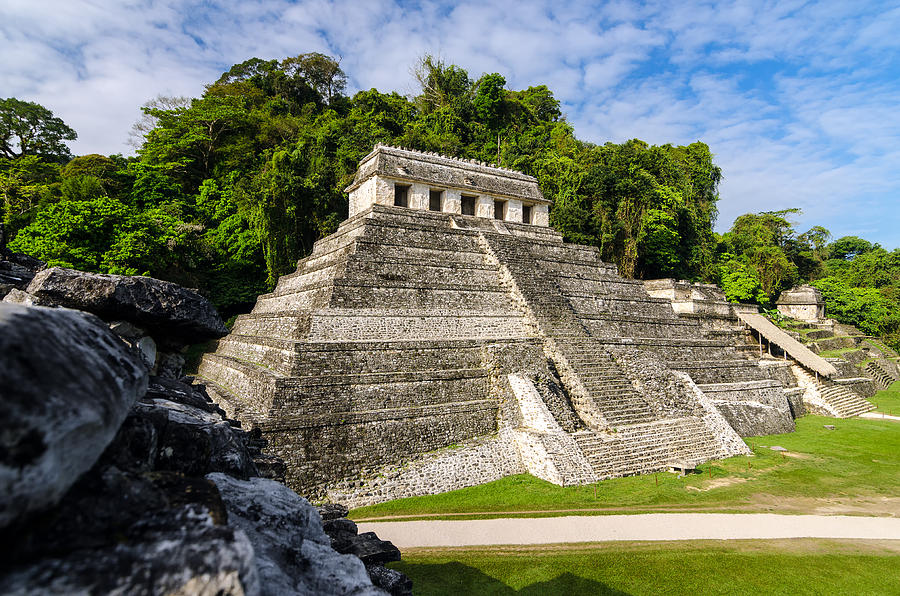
{"x": 647, "y": 448}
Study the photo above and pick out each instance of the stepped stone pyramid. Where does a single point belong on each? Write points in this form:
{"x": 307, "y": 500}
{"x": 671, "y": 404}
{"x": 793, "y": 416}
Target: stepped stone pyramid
{"x": 445, "y": 336}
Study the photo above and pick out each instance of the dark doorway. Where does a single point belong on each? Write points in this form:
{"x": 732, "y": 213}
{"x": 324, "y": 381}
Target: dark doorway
{"x": 434, "y": 200}
{"x": 499, "y": 209}
{"x": 468, "y": 205}
{"x": 401, "y": 195}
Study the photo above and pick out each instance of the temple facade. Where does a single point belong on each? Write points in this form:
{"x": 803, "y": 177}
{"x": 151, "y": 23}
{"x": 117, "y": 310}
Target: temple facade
{"x": 802, "y": 302}
{"x": 431, "y": 182}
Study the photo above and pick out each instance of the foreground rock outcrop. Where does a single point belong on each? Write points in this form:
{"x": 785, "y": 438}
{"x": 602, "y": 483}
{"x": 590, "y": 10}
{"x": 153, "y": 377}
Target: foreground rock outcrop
{"x": 162, "y": 308}
{"x": 17, "y": 271}
{"x": 115, "y": 480}
{"x": 158, "y": 319}
{"x": 286, "y": 534}
{"x": 67, "y": 384}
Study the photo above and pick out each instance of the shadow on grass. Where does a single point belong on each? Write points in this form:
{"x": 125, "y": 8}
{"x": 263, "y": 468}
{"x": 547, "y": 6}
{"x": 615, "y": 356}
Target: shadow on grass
{"x": 455, "y": 578}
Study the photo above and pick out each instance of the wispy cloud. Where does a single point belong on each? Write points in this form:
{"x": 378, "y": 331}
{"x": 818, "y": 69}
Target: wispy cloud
{"x": 796, "y": 99}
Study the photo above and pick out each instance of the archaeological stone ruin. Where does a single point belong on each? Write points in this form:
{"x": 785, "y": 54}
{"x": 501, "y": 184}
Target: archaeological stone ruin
{"x": 446, "y": 336}
{"x": 804, "y": 303}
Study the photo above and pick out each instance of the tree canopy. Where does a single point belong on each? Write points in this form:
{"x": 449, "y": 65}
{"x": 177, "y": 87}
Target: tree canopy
{"x": 230, "y": 188}
{"x": 27, "y": 128}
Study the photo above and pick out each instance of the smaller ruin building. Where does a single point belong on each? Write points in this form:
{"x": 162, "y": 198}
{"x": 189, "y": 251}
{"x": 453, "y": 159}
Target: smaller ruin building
{"x": 802, "y": 302}
{"x": 431, "y": 182}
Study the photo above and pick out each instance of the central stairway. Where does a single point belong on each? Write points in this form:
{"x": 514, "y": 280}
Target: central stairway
{"x": 651, "y": 446}
{"x": 626, "y": 434}
{"x": 395, "y": 339}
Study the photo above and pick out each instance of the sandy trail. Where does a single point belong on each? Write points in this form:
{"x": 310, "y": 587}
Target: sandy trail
{"x": 879, "y": 416}
{"x": 654, "y": 526}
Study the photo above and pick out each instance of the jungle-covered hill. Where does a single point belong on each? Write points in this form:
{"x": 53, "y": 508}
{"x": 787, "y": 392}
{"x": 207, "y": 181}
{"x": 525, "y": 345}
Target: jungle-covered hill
{"x": 229, "y": 189}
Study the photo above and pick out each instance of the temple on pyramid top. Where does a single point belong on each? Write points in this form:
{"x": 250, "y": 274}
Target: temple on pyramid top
{"x": 432, "y": 182}
{"x": 426, "y": 346}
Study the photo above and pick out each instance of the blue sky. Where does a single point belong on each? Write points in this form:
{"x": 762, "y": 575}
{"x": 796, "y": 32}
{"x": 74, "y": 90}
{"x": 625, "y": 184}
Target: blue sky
{"x": 799, "y": 101}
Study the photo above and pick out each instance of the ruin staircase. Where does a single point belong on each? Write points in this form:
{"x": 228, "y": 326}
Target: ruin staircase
{"x": 649, "y": 447}
{"x": 631, "y": 437}
{"x": 830, "y": 398}
{"x": 882, "y": 377}
{"x": 602, "y": 385}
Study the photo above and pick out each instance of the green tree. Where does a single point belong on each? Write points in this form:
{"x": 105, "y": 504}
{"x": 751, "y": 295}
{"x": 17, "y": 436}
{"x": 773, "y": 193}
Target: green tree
{"x": 443, "y": 86}
{"x": 765, "y": 241}
{"x": 489, "y": 100}
{"x": 104, "y": 235}
{"x": 849, "y": 247}
{"x": 322, "y": 73}
{"x": 739, "y": 281}
{"x": 213, "y": 135}
{"x": 28, "y": 128}
{"x": 865, "y": 308}
{"x": 25, "y": 183}
{"x": 651, "y": 207}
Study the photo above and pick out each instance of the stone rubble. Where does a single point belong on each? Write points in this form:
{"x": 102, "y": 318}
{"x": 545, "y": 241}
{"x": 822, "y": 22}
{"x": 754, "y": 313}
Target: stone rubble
{"x": 157, "y": 319}
{"x": 164, "y": 309}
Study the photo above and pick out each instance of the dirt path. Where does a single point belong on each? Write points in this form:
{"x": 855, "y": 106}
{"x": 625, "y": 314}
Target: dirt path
{"x": 872, "y": 506}
{"x": 654, "y": 526}
{"x": 879, "y": 416}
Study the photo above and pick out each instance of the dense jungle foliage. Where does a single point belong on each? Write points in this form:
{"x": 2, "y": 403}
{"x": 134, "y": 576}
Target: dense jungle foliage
{"x": 229, "y": 189}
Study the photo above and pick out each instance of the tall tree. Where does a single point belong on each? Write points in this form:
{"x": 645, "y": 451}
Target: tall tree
{"x": 443, "y": 85}
{"x": 322, "y": 73}
{"x": 28, "y": 128}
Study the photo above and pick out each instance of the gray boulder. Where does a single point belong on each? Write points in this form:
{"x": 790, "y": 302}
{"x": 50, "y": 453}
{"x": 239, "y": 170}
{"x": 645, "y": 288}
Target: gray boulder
{"x": 16, "y": 270}
{"x": 14, "y": 276}
{"x": 122, "y": 533}
{"x": 193, "y": 441}
{"x": 164, "y": 309}
{"x": 66, "y": 384}
{"x": 17, "y": 296}
{"x": 293, "y": 553}
{"x": 371, "y": 550}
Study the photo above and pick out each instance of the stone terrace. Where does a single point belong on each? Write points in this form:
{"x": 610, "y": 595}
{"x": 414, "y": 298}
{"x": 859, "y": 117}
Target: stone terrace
{"x": 397, "y": 337}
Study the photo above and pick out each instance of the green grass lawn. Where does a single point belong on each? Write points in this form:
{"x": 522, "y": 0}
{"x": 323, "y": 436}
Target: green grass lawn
{"x": 837, "y": 353}
{"x": 853, "y": 469}
{"x": 888, "y": 400}
{"x": 801, "y": 566}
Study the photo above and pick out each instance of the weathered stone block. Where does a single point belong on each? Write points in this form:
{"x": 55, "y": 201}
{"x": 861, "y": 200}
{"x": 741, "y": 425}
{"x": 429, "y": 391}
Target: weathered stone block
{"x": 67, "y": 383}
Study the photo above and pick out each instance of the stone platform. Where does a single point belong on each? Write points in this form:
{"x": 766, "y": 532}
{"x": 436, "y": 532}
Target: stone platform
{"x": 417, "y": 352}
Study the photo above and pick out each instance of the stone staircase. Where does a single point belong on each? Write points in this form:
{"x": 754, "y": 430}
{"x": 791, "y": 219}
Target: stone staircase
{"x": 631, "y": 438}
{"x": 550, "y": 309}
{"x": 829, "y": 398}
{"x": 883, "y": 378}
{"x": 649, "y": 447}
{"x": 603, "y": 384}
{"x": 610, "y": 390}
{"x": 843, "y": 401}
